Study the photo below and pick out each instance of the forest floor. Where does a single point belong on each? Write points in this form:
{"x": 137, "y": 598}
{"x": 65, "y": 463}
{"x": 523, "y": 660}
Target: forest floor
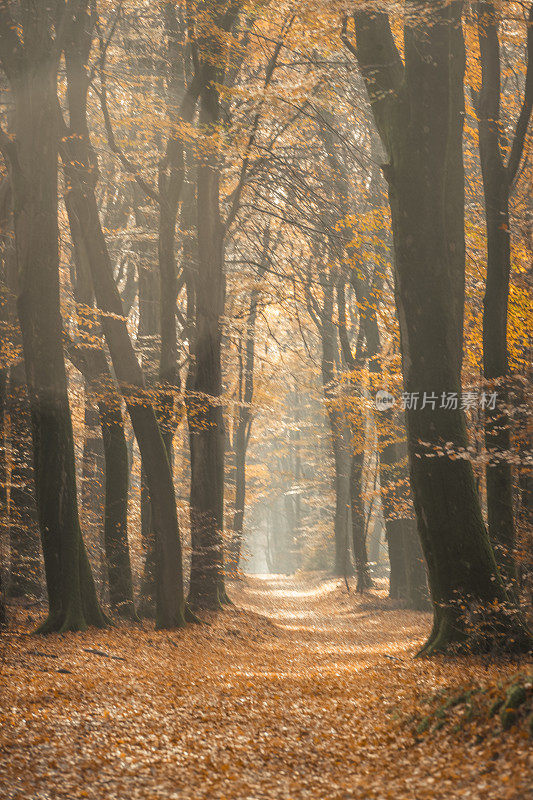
{"x": 300, "y": 691}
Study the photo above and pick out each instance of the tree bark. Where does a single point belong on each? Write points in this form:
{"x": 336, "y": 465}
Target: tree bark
{"x": 25, "y": 576}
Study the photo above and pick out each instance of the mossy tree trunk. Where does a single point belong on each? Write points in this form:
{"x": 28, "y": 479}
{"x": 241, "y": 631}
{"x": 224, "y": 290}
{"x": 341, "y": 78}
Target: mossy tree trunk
{"x": 419, "y": 107}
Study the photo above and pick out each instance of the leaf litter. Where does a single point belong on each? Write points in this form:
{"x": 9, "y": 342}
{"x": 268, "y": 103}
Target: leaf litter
{"x": 299, "y": 691}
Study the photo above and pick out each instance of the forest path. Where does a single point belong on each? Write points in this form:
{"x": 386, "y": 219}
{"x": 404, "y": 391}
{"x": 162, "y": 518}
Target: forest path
{"x": 300, "y": 692}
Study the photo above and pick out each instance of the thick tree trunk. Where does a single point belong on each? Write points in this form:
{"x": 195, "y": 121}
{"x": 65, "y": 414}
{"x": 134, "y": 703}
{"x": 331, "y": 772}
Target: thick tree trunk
{"x": 419, "y": 111}
{"x": 71, "y": 593}
{"x": 206, "y": 422}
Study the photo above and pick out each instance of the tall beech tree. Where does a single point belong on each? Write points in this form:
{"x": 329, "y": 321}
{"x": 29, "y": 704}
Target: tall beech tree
{"x": 103, "y": 410}
{"x": 30, "y": 61}
{"x": 206, "y": 420}
{"x": 81, "y": 174}
{"x": 418, "y": 106}
{"x": 499, "y": 170}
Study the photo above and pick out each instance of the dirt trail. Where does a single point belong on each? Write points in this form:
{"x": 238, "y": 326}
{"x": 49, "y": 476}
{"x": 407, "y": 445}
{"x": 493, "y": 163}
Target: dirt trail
{"x": 301, "y": 691}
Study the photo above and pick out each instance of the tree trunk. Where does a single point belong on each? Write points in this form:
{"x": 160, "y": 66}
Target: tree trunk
{"x": 116, "y": 508}
{"x": 419, "y": 112}
{"x": 364, "y": 581}
{"x": 244, "y": 419}
{"x": 498, "y": 178}
{"x": 148, "y": 334}
{"x": 25, "y": 567}
{"x": 79, "y": 165}
{"x": 148, "y": 539}
{"x": 93, "y": 493}
{"x": 4, "y": 520}
{"x": 408, "y": 582}
{"x": 33, "y": 160}
{"x": 339, "y": 433}
{"x": 206, "y": 422}
{"x": 105, "y": 461}
{"x": 235, "y": 545}
{"x": 342, "y": 566}
{"x": 416, "y": 573}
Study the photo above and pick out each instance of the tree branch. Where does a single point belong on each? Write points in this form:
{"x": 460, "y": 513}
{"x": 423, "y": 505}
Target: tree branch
{"x": 380, "y": 64}
{"x": 271, "y": 66}
{"x": 517, "y": 147}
